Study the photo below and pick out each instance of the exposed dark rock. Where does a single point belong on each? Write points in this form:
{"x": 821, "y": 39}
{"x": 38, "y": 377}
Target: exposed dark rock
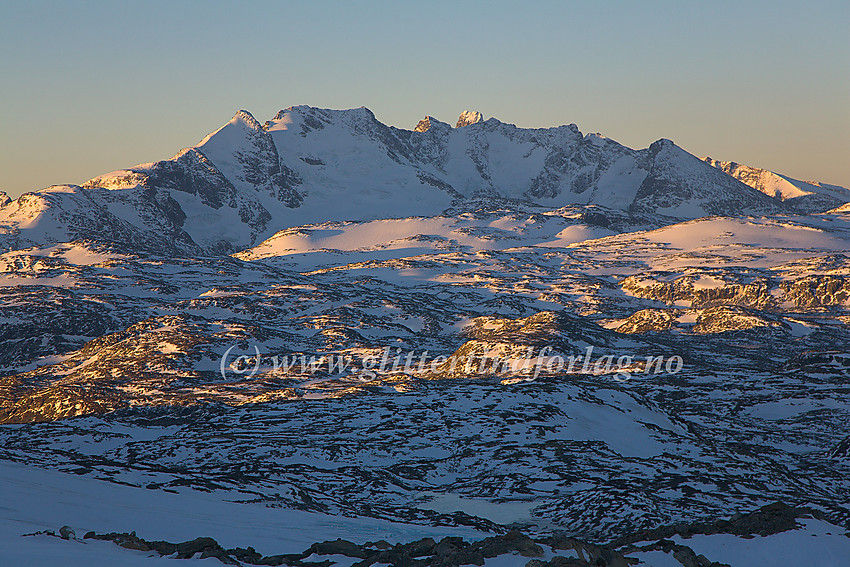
{"x": 454, "y": 551}
{"x": 596, "y": 219}
{"x": 65, "y": 532}
{"x": 842, "y": 450}
{"x": 768, "y": 520}
{"x": 339, "y": 547}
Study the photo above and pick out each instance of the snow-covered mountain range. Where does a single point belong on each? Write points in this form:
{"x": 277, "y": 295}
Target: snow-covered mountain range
{"x": 247, "y": 180}
{"x": 144, "y": 316}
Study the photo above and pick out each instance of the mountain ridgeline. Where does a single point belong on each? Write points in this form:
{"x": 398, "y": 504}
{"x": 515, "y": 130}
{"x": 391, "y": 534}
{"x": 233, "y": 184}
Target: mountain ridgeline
{"x": 247, "y": 180}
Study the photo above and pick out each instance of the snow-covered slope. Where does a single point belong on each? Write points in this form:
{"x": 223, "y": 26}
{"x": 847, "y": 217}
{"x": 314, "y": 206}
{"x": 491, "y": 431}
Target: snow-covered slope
{"x": 247, "y": 180}
{"x": 803, "y": 196}
{"x": 39, "y": 504}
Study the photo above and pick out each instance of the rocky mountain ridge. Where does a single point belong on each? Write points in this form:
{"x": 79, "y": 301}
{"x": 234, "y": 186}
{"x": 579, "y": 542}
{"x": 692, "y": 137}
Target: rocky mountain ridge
{"x": 802, "y": 196}
{"x": 249, "y": 180}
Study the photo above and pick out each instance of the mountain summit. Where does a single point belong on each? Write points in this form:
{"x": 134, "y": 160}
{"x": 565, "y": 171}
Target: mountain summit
{"x": 468, "y": 117}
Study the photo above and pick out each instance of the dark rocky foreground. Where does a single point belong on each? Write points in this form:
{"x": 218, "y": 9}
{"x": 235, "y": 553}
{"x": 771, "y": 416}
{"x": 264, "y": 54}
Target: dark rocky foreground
{"x": 455, "y": 551}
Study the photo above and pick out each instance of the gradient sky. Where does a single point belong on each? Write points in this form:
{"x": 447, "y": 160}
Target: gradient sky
{"x": 89, "y": 87}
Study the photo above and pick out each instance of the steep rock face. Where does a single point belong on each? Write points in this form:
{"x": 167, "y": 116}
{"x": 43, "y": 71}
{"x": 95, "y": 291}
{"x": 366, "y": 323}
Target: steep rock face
{"x": 425, "y": 124}
{"x": 842, "y": 450}
{"x": 245, "y": 150}
{"x": 247, "y": 180}
{"x": 589, "y": 169}
{"x": 803, "y": 196}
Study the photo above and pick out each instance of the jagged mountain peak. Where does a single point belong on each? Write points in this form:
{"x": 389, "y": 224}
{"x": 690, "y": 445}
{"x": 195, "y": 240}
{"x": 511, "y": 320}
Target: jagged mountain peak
{"x": 423, "y": 125}
{"x": 430, "y": 122}
{"x": 247, "y": 118}
{"x": 241, "y": 121}
{"x": 468, "y": 117}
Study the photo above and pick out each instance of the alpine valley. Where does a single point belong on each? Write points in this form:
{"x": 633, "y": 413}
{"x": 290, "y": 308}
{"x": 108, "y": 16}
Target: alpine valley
{"x": 189, "y": 354}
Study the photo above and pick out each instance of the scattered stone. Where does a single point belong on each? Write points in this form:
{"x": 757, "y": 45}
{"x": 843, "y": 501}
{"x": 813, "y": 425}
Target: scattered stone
{"x": 188, "y": 549}
{"x": 65, "y": 532}
{"x": 380, "y": 544}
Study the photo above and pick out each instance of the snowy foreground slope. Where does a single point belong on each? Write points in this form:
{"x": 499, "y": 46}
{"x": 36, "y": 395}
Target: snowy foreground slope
{"x": 323, "y": 327}
{"x": 36, "y": 499}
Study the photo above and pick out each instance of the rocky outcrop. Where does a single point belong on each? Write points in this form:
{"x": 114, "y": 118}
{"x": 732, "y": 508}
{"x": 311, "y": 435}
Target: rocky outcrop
{"x": 448, "y": 552}
{"x": 756, "y": 294}
{"x": 498, "y": 346}
{"x": 808, "y": 292}
{"x": 842, "y": 450}
{"x": 468, "y": 117}
{"x": 647, "y": 320}
{"x": 818, "y": 291}
{"x": 725, "y": 319}
{"x": 768, "y": 520}
{"x": 708, "y": 321}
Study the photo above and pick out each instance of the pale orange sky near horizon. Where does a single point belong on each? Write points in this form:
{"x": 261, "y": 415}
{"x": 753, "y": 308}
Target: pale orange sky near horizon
{"x": 92, "y": 88}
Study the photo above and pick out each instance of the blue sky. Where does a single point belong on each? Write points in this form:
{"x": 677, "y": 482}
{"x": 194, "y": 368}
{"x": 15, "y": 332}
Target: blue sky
{"x": 90, "y": 87}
